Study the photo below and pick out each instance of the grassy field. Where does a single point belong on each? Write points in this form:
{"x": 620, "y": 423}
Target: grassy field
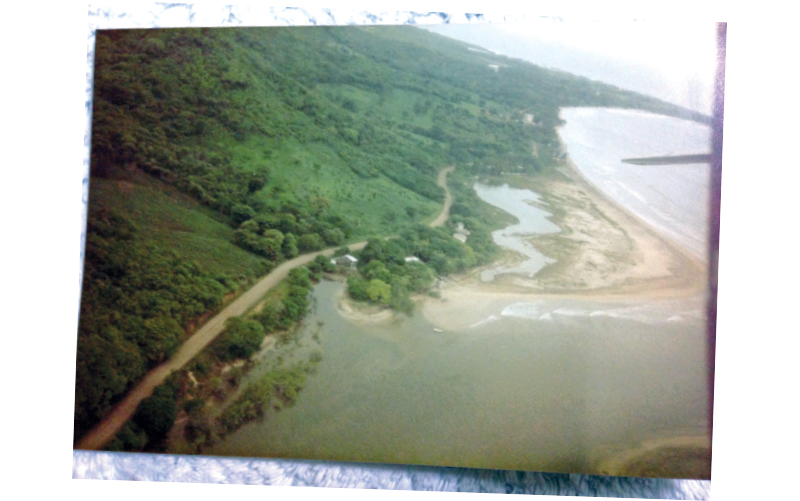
{"x": 170, "y": 220}
{"x": 373, "y": 206}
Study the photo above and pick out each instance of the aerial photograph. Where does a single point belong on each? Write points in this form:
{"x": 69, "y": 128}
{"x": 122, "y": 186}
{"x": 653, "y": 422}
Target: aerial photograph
{"x": 450, "y": 245}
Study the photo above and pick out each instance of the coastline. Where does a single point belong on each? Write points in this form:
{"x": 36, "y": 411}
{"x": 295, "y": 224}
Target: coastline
{"x": 604, "y": 252}
{"x": 361, "y": 313}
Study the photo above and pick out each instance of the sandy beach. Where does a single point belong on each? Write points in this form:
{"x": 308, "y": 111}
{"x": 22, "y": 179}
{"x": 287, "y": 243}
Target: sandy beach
{"x": 604, "y": 252}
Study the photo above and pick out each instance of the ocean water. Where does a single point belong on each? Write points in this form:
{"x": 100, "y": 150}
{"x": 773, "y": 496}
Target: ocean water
{"x": 674, "y": 199}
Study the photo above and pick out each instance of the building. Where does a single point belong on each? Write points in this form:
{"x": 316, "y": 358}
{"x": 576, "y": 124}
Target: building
{"x": 412, "y": 259}
{"x": 461, "y": 233}
{"x": 346, "y": 260}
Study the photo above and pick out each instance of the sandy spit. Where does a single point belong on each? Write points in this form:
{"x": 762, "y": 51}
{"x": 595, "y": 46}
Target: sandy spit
{"x": 604, "y": 252}
{"x": 362, "y": 313}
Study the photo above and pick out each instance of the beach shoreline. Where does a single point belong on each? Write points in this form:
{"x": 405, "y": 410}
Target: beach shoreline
{"x": 360, "y": 312}
{"x": 603, "y": 253}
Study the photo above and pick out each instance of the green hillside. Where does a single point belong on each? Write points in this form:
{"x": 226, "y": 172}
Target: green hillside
{"x": 218, "y": 153}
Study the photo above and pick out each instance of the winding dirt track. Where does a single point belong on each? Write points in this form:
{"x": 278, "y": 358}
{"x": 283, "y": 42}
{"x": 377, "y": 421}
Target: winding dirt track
{"x": 104, "y": 432}
{"x": 448, "y": 198}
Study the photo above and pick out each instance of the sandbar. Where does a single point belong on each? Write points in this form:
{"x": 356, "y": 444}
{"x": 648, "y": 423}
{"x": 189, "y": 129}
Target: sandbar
{"x": 604, "y": 252}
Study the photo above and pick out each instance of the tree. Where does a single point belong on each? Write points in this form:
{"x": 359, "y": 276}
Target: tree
{"x": 271, "y": 243}
{"x": 357, "y": 288}
{"x": 379, "y": 291}
{"x": 376, "y": 269}
{"x": 333, "y": 236}
{"x": 241, "y": 337}
{"x": 161, "y": 340}
{"x": 299, "y": 277}
{"x": 420, "y": 276}
{"x": 373, "y": 250}
{"x": 310, "y": 242}
{"x": 241, "y": 213}
{"x": 289, "y": 247}
{"x": 296, "y": 303}
{"x": 130, "y": 438}
{"x": 325, "y": 264}
{"x": 287, "y": 223}
{"x": 156, "y": 414}
{"x": 270, "y": 316}
{"x": 258, "y": 180}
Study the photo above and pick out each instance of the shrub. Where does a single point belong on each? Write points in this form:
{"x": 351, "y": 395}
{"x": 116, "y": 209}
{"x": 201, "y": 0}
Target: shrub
{"x": 241, "y": 338}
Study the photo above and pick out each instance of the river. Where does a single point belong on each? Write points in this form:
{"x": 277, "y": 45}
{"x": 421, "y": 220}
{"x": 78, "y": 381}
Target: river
{"x": 544, "y": 385}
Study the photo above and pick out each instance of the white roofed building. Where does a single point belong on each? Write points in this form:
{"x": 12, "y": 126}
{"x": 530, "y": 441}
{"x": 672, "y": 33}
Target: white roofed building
{"x": 461, "y": 233}
{"x": 346, "y": 260}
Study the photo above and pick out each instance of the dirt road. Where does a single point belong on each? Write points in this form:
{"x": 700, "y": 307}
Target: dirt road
{"x": 105, "y": 430}
{"x": 448, "y": 198}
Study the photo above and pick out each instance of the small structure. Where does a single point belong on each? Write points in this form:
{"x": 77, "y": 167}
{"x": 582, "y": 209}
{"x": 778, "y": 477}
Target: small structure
{"x": 412, "y": 259}
{"x": 346, "y": 260}
{"x": 461, "y": 233}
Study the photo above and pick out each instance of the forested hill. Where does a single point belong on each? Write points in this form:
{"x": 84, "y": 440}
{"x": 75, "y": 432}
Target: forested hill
{"x": 217, "y": 153}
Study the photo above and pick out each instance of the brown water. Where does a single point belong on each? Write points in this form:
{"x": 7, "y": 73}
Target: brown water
{"x": 552, "y": 391}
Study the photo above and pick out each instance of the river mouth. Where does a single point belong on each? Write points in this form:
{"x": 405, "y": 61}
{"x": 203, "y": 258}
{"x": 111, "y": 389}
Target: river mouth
{"x": 578, "y": 359}
{"x": 520, "y": 392}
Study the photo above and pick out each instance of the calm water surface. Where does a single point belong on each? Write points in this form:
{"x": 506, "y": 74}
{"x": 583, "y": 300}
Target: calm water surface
{"x": 548, "y": 390}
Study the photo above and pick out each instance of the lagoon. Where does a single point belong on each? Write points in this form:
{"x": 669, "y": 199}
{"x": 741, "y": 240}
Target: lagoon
{"x": 531, "y": 221}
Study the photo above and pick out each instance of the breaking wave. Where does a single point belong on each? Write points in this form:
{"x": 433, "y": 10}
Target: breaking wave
{"x": 649, "y": 313}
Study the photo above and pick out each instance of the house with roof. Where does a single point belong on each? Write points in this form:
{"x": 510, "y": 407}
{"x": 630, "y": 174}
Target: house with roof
{"x": 347, "y": 260}
{"x": 461, "y": 233}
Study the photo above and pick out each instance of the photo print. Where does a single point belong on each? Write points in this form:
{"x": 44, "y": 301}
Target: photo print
{"x": 479, "y": 246}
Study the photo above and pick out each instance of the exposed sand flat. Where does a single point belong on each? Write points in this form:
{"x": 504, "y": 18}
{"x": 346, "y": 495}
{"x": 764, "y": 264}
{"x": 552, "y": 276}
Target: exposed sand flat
{"x": 603, "y": 252}
{"x": 360, "y": 312}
